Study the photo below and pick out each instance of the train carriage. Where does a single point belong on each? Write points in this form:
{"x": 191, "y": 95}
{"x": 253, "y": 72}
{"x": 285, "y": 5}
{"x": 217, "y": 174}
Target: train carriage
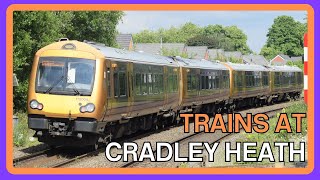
{"x": 286, "y": 82}
{"x": 205, "y": 85}
{"x": 142, "y": 83}
{"x": 249, "y": 84}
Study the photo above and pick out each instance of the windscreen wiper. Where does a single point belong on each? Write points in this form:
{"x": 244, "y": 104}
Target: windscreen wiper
{"x": 53, "y": 85}
{"x": 73, "y": 86}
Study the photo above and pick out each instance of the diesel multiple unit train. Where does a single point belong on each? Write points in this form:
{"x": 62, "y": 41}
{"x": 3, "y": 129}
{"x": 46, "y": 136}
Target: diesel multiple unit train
{"x": 83, "y": 93}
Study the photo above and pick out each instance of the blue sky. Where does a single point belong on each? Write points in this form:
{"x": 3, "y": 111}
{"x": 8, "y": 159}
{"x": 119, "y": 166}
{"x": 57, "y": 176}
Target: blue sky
{"x": 255, "y": 24}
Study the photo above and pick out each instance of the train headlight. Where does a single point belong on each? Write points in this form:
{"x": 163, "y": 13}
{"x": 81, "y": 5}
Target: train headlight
{"x": 83, "y": 109}
{"x": 87, "y": 108}
{"x": 90, "y": 107}
{"x": 34, "y": 104}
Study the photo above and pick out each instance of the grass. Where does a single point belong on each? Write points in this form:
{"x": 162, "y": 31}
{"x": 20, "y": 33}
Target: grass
{"x": 183, "y": 165}
{"x": 21, "y": 133}
{"x": 283, "y": 136}
{"x": 271, "y": 137}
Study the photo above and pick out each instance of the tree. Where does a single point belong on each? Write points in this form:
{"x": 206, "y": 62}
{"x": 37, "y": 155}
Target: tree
{"x": 31, "y": 31}
{"x": 202, "y": 40}
{"x": 238, "y": 39}
{"x": 147, "y": 36}
{"x": 35, "y": 29}
{"x": 99, "y": 26}
{"x": 284, "y": 36}
{"x": 228, "y": 38}
{"x": 213, "y": 30}
{"x": 172, "y": 35}
{"x": 299, "y": 64}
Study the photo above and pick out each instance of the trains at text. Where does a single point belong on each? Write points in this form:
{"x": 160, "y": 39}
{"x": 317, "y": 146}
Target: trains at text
{"x": 84, "y": 93}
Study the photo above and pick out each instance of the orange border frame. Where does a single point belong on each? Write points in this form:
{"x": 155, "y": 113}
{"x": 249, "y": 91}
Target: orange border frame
{"x": 155, "y": 7}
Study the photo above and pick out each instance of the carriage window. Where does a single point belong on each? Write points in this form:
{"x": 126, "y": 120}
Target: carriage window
{"x": 138, "y": 83}
{"x": 249, "y": 79}
{"x": 170, "y": 83}
{"x": 238, "y": 78}
{"x": 292, "y": 78}
{"x": 217, "y": 81}
{"x": 265, "y": 79}
{"x": 203, "y": 82}
{"x": 226, "y": 79}
{"x": 195, "y": 83}
{"x": 209, "y": 82}
{"x": 277, "y": 78}
{"x": 257, "y": 79}
{"x": 144, "y": 84}
{"x": 300, "y": 81}
{"x": 116, "y": 84}
{"x": 122, "y": 84}
{"x": 175, "y": 83}
{"x": 160, "y": 82}
{"x": 149, "y": 80}
{"x": 155, "y": 85}
{"x": 223, "y": 83}
{"x": 213, "y": 81}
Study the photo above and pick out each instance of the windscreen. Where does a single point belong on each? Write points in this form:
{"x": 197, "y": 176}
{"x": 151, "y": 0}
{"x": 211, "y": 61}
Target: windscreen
{"x": 64, "y": 75}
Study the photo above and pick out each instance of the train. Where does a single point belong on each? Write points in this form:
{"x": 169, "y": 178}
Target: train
{"x": 86, "y": 94}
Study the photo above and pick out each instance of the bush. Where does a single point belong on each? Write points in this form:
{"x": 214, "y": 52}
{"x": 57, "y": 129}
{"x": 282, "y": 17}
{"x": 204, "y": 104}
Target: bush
{"x": 283, "y": 136}
{"x": 21, "y": 131}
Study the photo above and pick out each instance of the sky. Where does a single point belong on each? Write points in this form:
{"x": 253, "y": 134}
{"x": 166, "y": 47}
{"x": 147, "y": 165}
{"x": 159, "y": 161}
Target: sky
{"x": 255, "y": 24}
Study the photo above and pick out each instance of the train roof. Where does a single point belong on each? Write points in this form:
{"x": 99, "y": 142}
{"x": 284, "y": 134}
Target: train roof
{"x": 246, "y": 67}
{"x": 131, "y": 56}
{"x": 200, "y": 63}
{"x": 285, "y": 68}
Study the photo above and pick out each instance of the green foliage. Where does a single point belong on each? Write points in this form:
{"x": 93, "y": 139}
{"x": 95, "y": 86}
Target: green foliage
{"x": 35, "y": 29}
{"x": 173, "y": 34}
{"x": 269, "y": 52}
{"x": 184, "y": 165}
{"x": 284, "y": 36}
{"x": 146, "y": 36}
{"x": 21, "y": 131}
{"x": 173, "y": 52}
{"x": 238, "y": 39}
{"x": 221, "y": 58}
{"x": 271, "y": 137}
{"x": 235, "y": 60}
{"x": 282, "y": 136}
{"x": 229, "y": 38}
{"x": 98, "y": 26}
{"x": 299, "y": 64}
{"x": 202, "y": 40}
{"x": 22, "y": 135}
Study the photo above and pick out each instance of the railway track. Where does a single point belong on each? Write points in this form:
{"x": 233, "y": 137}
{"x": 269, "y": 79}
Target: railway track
{"x": 30, "y": 156}
{"x": 31, "y": 159}
{"x": 58, "y": 157}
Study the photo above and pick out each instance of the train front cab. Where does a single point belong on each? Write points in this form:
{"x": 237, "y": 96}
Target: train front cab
{"x": 65, "y": 99}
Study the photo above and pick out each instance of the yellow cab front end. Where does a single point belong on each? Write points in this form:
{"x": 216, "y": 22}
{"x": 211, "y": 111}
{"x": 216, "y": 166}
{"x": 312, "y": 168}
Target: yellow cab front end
{"x": 65, "y": 98}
